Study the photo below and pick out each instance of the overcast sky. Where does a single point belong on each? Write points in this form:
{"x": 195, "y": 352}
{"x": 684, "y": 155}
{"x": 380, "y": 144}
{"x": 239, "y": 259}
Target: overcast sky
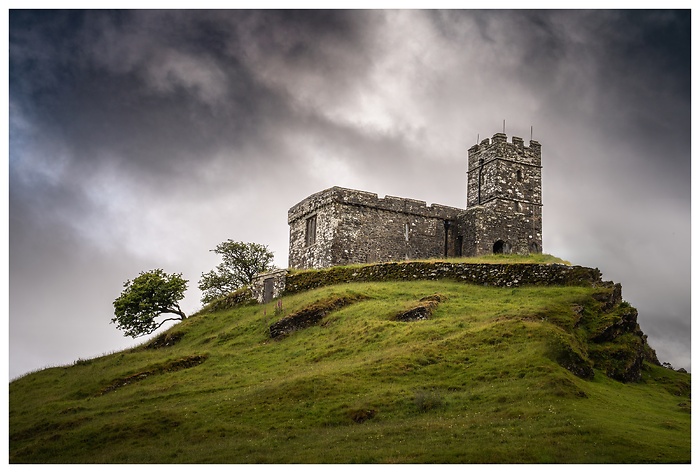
{"x": 142, "y": 139}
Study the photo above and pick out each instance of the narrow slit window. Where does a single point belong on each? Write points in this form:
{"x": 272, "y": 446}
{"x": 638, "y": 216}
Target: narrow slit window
{"x": 311, "y": 230}
{"x": 519, "y": 175}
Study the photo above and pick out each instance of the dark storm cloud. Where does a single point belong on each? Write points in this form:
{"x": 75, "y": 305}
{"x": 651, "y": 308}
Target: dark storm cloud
{"x": 162, "y": 94}
{"x": 144, "y": 138}
{"x": 133, "y": 94}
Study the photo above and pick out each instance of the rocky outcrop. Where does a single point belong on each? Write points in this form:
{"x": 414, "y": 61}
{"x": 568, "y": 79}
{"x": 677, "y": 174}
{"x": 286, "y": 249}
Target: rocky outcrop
{"x": 570, "y": 354}
{"x": 609, "y": 298}
{"x": 175, "y": 365}
{"x": 613, "y": 326}
{"x": 164, "y": 340}
{"x": 421, "y": 311}
{"x": 616, "y": 344}
{"x": 309, "y": 316}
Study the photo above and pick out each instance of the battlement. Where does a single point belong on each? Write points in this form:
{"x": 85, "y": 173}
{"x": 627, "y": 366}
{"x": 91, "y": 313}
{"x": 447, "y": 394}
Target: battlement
{"x": 498, "y": 147}
{"x": 353, "y": 197}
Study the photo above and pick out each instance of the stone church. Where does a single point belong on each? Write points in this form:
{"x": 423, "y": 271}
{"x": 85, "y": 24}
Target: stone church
{"x": 340, "y": 226}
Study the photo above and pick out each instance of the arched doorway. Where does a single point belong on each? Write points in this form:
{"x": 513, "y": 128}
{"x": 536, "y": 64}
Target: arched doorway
{"x": 498, "y": 247}
{"x": 501, "y": 248}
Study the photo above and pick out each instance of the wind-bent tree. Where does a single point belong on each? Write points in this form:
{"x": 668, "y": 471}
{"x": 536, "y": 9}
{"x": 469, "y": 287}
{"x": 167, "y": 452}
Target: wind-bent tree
{"x": 241, "y": 262}
{"x": 150, "y": 295}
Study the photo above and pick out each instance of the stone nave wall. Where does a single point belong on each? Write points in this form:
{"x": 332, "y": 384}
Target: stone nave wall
{"x": 359, "y": 227}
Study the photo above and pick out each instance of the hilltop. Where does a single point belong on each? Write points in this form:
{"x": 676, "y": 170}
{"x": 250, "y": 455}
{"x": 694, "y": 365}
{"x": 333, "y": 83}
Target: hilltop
{"x": 390, "y": 371}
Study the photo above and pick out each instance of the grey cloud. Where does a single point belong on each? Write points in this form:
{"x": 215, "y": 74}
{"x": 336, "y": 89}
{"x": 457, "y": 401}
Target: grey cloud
{"x": 144, "y": 138}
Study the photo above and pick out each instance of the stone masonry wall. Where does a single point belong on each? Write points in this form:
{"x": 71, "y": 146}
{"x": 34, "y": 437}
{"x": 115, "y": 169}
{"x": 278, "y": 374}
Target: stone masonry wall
{"x": 501, "y": 221}
{"x": 359, "y": 227}
{"x": 504, "y": 197}
{"x": 501, "y": 275}
{"x": 319, "y": 254}
{"x": 497, "y": 162}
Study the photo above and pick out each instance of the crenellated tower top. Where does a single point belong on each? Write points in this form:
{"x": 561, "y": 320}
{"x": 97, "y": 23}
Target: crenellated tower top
{"x": 499, "y": 148}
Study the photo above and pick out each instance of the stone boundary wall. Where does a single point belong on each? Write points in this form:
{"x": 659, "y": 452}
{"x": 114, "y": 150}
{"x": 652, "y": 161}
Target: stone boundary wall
{"x": 501, "y": 275}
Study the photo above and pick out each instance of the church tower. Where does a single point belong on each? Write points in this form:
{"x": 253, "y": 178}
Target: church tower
{"x": 504, "y": 198}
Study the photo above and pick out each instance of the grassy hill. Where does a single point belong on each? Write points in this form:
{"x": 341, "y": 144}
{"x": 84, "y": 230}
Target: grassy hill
{"x": 484, "y": 374}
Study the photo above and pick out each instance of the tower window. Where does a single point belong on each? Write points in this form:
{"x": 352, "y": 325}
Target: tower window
{"x": 519, "y": 175}
{"x": 311, "y": 230}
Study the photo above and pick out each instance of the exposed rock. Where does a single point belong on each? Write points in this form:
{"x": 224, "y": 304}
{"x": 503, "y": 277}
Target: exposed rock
{"x": 609, "y": 299}
{"x": 564, "y": 351}
{"x": 422, "y": 311}
{"x": 361, "y": 415}
{"x": 620, "y": 359}
{"x": 166, "y": 339}
{"x": 577, "y": 309}
{"x": 624, "y": 321}
{"x": 433, "y": 298}
{"x": 310, "y": 315}
{"x": 176, "y": 365}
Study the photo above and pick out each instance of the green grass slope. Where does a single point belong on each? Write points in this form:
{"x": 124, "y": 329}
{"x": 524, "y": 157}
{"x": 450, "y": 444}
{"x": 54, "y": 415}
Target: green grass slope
{"x": 487, "y": 378}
